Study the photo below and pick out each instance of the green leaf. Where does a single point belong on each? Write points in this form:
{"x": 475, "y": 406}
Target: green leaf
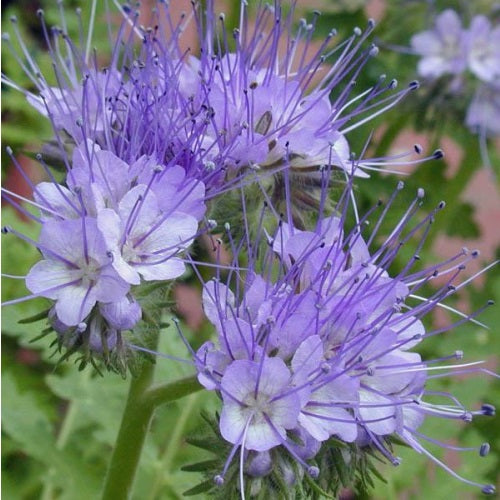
{"x": 200, "y": 488}
{"x": 200, "y": 466}
{"x": 100, "y": 400}
{"x": 26, "y": 423}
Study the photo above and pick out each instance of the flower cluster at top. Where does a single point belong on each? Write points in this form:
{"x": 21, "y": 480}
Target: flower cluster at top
{"x": 315, "y": 338}
{"x": 146, "y": 142}
{"x": 450, "y": 49}
{"x": 318, "y": 343}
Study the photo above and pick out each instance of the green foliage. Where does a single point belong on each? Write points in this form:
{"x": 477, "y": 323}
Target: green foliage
{"x": 341, "y": 465}
{"x": 59, "y": 424}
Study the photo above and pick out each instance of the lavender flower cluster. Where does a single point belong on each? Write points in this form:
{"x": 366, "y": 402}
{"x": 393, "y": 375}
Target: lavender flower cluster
{"x": 134, "y": 188}
{"x": 315, "y": 338}
{"x": 320, "y": 344}
{"x": 147, "y": 141}
{"x": 450, "y": 49}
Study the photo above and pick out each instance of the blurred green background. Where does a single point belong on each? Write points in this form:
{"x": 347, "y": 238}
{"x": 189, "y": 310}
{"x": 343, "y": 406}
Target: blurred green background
{"x": 59, "y": 424}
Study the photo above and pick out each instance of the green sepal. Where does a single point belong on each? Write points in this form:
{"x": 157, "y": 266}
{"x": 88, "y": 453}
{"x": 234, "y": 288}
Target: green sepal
{"x": 200, "y": 466}
{"x": 36, "y": 317}
{"x": 200, "y": 488}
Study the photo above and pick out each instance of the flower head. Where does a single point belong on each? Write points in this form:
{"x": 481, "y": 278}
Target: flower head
{"x": 340, "y": 331}
{"x": 444, "y": 48}
{"x": 484, "y": 49}
{"x": 270, "y": 87}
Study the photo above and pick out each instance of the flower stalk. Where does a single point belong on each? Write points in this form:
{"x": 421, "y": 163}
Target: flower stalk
{"x": 142, "y": 401}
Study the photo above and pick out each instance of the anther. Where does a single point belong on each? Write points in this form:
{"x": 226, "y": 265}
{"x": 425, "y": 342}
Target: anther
{"x": 313, "y": 471}
{"x": 459, "y": 354}
{"x": 488, "y": 410}
{"x": 218, "y": 480}
{"x": 438, "y": 154}
{"x": 414, "y": 85}
{"x": 6, "y": 229}
{"x": 417, "y": 148}
{"x": 81, "y": 327}
{"x": 420, "y": 193}
{"x": 489, "y": 489}
{"x": 484, "y": 450}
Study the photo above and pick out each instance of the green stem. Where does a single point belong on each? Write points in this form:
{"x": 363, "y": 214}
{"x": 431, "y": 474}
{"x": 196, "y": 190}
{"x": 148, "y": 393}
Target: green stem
{"x": 165, "y": 393}
{"x": 141, "y": 403}
{"x": 133, "y": 429}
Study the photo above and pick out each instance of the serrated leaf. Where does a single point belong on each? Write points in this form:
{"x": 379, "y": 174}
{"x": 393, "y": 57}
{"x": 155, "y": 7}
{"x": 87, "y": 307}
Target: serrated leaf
{"x": 99, "y": 400}
{"x": 203, "y": 443}
{"x": 26, "y": 423}
{"x": 200, "y": 488}
{"x": 200, "y": 466}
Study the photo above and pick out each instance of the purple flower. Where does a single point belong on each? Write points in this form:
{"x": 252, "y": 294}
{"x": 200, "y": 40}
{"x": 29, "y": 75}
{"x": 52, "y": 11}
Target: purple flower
{"x": 257, "y": 410}
{"x": 81, "y": 109}
{"x": 444, "y": 48}
{"x": 484, "y": 49}
{"x": 131, "y": 109}
{"x": 121, "y": 314}
{"x": 143, "y": 240}
{"x": 76, "y": 271}
{"x": 108, "y": 225}
{"x": 269, "y": 98}
{"x": 321, "y": 308}
{"x": 483, "y": 113}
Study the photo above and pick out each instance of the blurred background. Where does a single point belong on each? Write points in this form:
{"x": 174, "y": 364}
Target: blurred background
{"x": 59, "y": 424}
